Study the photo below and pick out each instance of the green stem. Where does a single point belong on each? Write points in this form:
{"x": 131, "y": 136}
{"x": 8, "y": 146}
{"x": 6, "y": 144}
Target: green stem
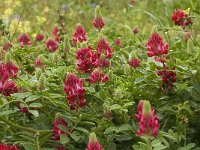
{"x": 14, "y": 125}
{"x": 148, "y": 144}
{"x": 37, "y": 140}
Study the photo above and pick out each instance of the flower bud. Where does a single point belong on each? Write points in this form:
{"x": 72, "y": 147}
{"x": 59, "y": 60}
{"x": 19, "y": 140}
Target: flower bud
{"x": 93, "y": 143}
{"x": 146, "y": 108}
{"x": 7, "y": 57}
{"x": 42, "y": 81}
{"x": 97, "y": 11}
{"x": 38, "y": 73}
{"x": 67, "y": 44}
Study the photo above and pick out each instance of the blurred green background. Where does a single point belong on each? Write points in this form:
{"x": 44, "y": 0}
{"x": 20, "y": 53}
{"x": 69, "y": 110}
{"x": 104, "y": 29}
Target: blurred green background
{"x": 121, "y": 15}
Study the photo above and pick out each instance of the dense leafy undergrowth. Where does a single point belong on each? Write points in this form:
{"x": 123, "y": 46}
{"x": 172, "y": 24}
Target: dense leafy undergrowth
{"x": 94, "y": 90}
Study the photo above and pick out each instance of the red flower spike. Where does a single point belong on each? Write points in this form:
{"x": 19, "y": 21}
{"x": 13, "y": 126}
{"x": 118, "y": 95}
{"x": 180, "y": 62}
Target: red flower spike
{"x": 118, "y": 42}
{"x": 3, "y": 147}
{"x": 9, "y": 88}
{"x": 55, "y": 33}
{"x": 38, "y": 63}
{"x": 98, "y": 23}
{"x": 13, "y": 148}
{"x": 6, "y": 147}
{"x": 12, "y": 69}
{"x": 56, "y": 130}
{"x": 75, "y": 91}
{"x": 24, "y": 40}
{"x": 79, "y": 34}
{"x": 155, "y": 46}
{"x": 103, "y": 63}
{"x": 148, "y": 122}
{"x": 180, "y": 18}
{"x": 134, "y": 62}
{"x": 168, "y": 78}
{"x": 4, "y": 74}
{"x": 105, "y": 78}
{"x": 39, "y": 37}
{"x": 51, "y": 45}
{"x": 104, "y": 48}
{"x": 104, "y": 52}
{"x": 85, "y": 59}
{"x": 6, "y": 46}
{"x": 93, "y": 143}
{"x": 97, "y": 77}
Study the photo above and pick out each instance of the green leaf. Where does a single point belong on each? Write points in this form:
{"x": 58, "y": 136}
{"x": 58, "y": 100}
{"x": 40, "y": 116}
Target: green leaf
{"x": 34, "y": 112}
{"x": 191, "y": 145}
{"x": 128, "y": 104}
{"x": 29, "y": 146}
{"x": 115, "y": 106}
{"x": 124, "y": 127}
{"x": 139, "y": 80}
{"x": 110, "y": 130}
{"x": 158, "y": 64}
{"x": 7, "y": 112}
{"x": 124, "y": 137}
{"x": 75, "y": 135}
{"x": 82, "y": 130}
{"x": 32, "y": 98}
{"x": 35, "y": 105}
{"x": 63, "y": 128}
{"x": 136, "y": 147}
{"x": 155, "y": 142}
{"x": 196, "y": 11}
{"x": 160, "y": 147}
{"x": 112, "y": 146}
{"x": 64, "y": 139}
{"x": 21, "y": 95}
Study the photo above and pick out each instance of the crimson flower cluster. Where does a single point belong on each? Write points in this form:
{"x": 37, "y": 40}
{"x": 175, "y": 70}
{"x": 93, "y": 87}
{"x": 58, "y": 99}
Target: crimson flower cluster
{"x": 79, "y": 34}
{"x": 51, "y": 45}
{"x": 86, "y": 59}
{"x": 148, "y": 122}
{"x": 93, "y": 143}
{"x": 24, "y": 40}
{"x": 97, "y": 77}
{"x": 56, "y": 130}
{"x": 7, "y": 147}
{"x": 7, "y": 45}
{"x": 38, "y": 63}
{"x": 104, "y": 52}
{"x": 118, "y": 42}
{"x": 7, "y": 85}
{"x": 134, "y": 62}
{"x": 39, "y": 37}
{"x": 55, "y": 33}
{"x": 98, "y": 23}
{"x": 180, "y": 18}
{"x": 155, "y": 46}
{"x": 75, "y": 91}
{"x": 168, "y": 78}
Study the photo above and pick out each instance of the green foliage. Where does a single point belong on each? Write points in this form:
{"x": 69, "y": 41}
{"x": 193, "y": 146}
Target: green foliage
{"x": 110, "y": 106}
